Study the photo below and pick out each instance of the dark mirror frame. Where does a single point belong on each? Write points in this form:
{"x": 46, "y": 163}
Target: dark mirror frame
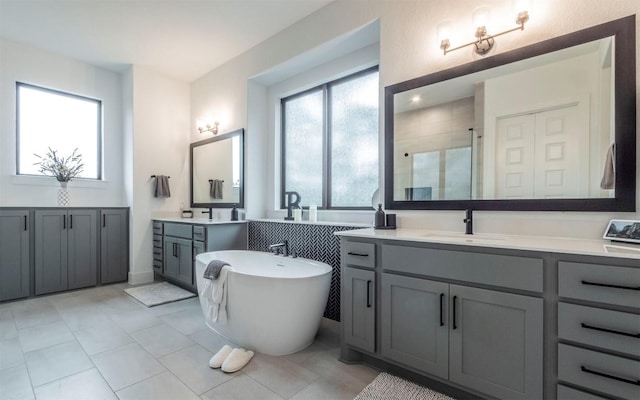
{"x": 240, "y": 203}
{"x": 625, "y": 123}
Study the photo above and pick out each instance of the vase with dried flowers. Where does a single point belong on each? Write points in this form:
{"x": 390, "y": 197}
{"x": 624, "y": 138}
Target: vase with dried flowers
{"x": 62, "y": 168}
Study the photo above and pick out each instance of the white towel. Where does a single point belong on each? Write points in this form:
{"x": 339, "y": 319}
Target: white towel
{"x": 214, "y": 294}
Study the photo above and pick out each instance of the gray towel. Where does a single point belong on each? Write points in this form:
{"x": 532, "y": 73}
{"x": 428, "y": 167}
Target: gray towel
{"x": 213, "y": 269}
{"x": 215, "y": 189}
{"x": 162, "y": 186}
{"x": 609, "y": 174}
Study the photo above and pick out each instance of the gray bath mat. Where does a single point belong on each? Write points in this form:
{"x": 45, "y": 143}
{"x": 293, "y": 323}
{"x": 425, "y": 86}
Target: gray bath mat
{"x": 389, "y": 387}
{"x": 158, "y": 293}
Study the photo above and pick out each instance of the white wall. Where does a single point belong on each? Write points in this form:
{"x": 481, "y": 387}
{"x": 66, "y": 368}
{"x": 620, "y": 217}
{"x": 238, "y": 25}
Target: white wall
{"x": 23, "y": 63}
{"x": 158, "y": 139}
{"x": 408, "y": 48}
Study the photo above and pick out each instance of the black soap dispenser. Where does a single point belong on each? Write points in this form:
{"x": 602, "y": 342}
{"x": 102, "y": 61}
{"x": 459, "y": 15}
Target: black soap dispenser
{"x": 234, "y": 213}
{"x": 379, "y": 220}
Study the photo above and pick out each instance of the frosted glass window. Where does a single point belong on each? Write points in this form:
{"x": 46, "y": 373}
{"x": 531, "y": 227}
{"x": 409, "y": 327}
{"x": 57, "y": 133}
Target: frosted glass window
{"x": 60, "y": 121}
{"x": 303, "y": 143}
{"x": 354, "y": 141}
{"x": 330, "y": 142}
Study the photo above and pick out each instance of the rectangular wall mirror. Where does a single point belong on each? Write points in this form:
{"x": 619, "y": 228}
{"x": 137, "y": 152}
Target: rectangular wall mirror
{"x": 539, "y": 128}
{"x": 217, "y": 171}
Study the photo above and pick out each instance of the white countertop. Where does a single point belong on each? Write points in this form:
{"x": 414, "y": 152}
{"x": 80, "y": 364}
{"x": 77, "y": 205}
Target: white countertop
{"x": 198, "y": 221}
{"x": 603, "y": 248}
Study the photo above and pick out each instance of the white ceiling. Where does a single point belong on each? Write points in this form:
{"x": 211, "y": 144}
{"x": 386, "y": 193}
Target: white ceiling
{"x": 184, "y": 39}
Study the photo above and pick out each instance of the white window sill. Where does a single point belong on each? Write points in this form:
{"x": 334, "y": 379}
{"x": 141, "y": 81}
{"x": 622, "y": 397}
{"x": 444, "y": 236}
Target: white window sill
{"x": 51, "y": 181}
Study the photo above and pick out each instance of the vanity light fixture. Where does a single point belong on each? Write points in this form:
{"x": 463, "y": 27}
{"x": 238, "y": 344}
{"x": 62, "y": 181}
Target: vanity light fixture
{"x": 209, "y": 128}
{"x": 484, "y": 41}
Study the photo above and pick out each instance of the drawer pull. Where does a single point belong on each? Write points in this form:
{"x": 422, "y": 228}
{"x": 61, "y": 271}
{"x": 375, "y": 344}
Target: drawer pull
{"x": 369, "y": 294}
{"x": 617, "y": 378}
{"x": 610, "y": 285}
{"x": 597, "y": 328}
{"x": 357, "y": 254}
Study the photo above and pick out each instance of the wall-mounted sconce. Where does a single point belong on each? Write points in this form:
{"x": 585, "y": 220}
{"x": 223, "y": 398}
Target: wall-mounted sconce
{"x": 481, "y": 17}
{"x": 208, "y": 127}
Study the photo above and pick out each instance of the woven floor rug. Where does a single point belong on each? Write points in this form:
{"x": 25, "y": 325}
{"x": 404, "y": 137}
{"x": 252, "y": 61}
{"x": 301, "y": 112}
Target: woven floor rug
{"x": 158, "y": 293}
{"x": 389, "y": 387}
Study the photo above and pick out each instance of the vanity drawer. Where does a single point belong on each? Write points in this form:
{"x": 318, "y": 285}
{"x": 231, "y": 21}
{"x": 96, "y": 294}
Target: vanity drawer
{"x": 358, "y": 254}
{"x": 490, "y": 269}
{"x": 607, "y": 329}
{"x": 157, "y": 266}
{"x": 598, "y": 371}
{"x": 157, "y": 228}
{"x": 157, "y": 253}
{"x": 157, "y": 240}
{"x": 567, "y": 393}
{"x": 600, "y": 283}
{"x": 178, "y": 230}
{"x": 199, "y": 233}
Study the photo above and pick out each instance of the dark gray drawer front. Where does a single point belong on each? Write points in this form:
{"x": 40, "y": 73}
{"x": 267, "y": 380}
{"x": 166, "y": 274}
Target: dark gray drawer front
{"x": 199, "y": 233}
{"x": 584, "y": 282}
{"x": 157, "y": 228}
{"x": 178, "y": 230}
{"x": 157, "y": 240}
{"x": 567, "y": 393}
{"x": 498, "y": 270}
{"x": 157, "y": 253}
{"x": 157, "y": 265}
{"x": 359, "y": 254}
{"x": 585, "y": 368}
{"x": 607, "y": 329}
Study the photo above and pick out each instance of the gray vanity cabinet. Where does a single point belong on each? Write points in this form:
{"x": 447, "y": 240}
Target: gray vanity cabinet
{"x": 178, "y": 259}
{"x": 496, "y": 342}
{"x": 415, "y": 325}
{"x": 359, "y": 308}
{"x": 14, "y": 254}
{"x": 66, "y": 248}
{"x": 114, "y": 262}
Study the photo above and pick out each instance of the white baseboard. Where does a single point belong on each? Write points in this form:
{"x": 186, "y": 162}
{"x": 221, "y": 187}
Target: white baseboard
{"x": 138, "y": 278}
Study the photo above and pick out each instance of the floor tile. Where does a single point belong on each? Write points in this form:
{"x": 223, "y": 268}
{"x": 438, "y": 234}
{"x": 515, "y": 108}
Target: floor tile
{"x": 327, "y": 365}
{"x": 161, "y": 387}
{"x": 191, "y": 366}
{"x": 10, "y": 353}
{"x": 132, "y": 321}
{"x": 211, "y": 340}
{"x": 8, "y": 328}
{"x": 38, "y": 337}
{"x": 161, "y": 340}
{"x": 97, "y": 340}
{"x": 85, "y": 316}
{"x": 279, "y": 375}
{"x": 126, "y": 365}
{"x": 121, "y": 304}
{"x": 15, "y": 384}
{"x": 164, "y": 309}
{"x": 325, "y": 389}
{"x": 55, "y": 362}
{"x": 241, "y": 388}
{"x": 34, "y": 312}
{"x": 82, "y": 386}
{"x": 186, "y": 322}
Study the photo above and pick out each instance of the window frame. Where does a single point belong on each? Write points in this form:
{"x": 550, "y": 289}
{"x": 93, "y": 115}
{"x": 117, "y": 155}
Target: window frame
{"x": 325, "y": 88}
{"x": 99, "y": 131}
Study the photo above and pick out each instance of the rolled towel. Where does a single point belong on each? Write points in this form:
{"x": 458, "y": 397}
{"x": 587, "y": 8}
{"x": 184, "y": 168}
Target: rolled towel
{"x": 609, "y": 174}
{"x": 213, "y": 269}
{"x": 214, "y": 294}
{"x": 162, "y": 186}
{"x": 215, "y": 189}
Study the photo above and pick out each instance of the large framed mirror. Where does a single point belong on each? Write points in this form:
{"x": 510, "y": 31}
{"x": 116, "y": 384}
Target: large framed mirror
{"x": 548, "y": 127}
{"x": 217, "y": 173}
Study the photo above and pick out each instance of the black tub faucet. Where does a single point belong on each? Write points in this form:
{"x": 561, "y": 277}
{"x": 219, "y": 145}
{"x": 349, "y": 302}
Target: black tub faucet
{"x": 468, "y": 220}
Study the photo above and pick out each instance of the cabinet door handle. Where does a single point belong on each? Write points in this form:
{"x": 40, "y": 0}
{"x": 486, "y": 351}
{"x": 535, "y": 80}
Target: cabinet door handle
{"x": 454, "y": 312}
{"x": 70, "y": 221}
{"x": 597, "y": 328}
{"x": 441, "y": 309}
{"x": 610, "y": 285}
{"x": 104, "y": 220}
{"x": 369, "y": 294}
{"x": 357, "y": 254}
{"x": 64, "y": 222}
{"x": 25, "y": 222}
{"x": 177, "y": 250}
{"x": 617, "y": 378}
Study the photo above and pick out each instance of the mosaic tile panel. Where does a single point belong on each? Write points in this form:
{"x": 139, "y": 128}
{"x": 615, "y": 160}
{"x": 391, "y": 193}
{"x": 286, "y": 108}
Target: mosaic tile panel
{"x": 316, "y": 242}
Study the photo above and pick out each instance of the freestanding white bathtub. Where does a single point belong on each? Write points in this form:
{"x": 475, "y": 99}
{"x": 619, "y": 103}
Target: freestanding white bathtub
{"x": 274, "y": 303}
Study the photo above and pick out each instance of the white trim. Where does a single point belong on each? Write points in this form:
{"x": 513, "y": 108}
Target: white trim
{"x": 35, "y": 180}
{"x": 137, "y": 278}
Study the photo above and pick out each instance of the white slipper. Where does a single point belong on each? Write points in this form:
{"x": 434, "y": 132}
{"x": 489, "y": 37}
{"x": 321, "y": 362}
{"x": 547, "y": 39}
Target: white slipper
{"x": 236, "y": 360}
{"x": 218, "y": 359}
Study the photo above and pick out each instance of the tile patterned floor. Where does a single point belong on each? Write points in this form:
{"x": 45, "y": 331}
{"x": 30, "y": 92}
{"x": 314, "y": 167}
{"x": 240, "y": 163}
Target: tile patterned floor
{"x": 99, "y": 343}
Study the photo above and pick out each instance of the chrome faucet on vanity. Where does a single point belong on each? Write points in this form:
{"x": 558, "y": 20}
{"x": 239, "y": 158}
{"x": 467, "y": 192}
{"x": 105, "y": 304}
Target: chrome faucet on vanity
{"x": 468, "y": 220}
{"x": 285, "y": 249}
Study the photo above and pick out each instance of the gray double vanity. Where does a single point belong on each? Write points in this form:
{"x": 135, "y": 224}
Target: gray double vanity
{"x": 494, "y": 316}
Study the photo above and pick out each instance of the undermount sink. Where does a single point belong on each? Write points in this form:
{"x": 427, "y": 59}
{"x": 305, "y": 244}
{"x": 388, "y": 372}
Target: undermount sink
{"x": 461, "y": 237}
